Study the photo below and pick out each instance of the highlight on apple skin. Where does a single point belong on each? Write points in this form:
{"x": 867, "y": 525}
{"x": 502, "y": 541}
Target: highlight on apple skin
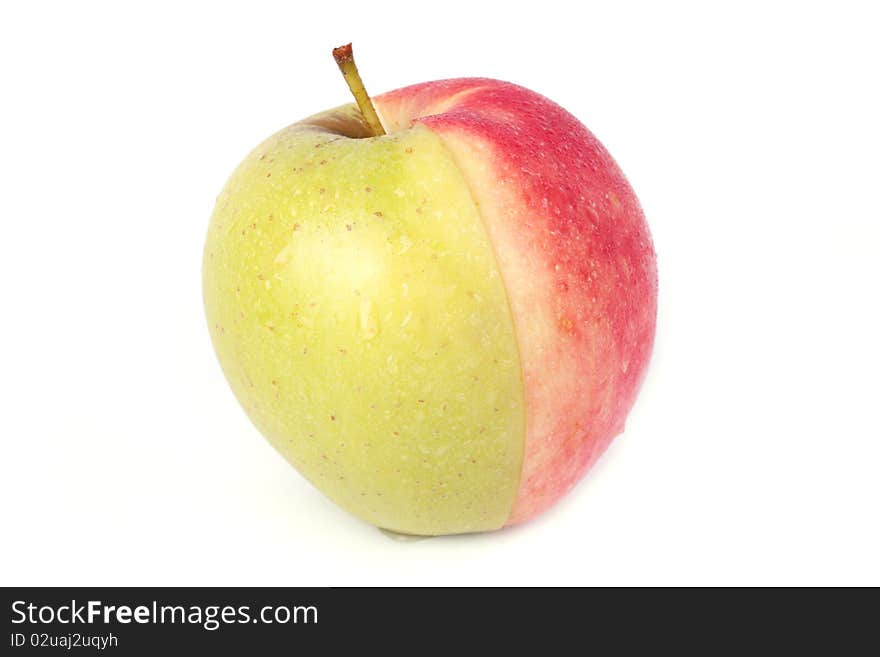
{"x": 443, "y": 327}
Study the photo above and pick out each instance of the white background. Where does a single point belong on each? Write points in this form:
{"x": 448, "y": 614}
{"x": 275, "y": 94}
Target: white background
{"x": 750, "y": 135}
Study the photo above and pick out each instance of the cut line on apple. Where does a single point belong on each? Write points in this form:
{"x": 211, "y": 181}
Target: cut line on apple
{"x": 437, "y": 304}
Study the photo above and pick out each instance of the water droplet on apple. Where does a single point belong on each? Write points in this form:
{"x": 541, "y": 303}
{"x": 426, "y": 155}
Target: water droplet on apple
{"x": 368, "y": 320}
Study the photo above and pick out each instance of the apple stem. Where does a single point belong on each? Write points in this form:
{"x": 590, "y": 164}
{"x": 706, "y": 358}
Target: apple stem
{"x": 345, "y": 59}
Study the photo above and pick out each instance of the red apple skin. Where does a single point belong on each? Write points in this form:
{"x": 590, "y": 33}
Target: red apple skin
{"x": 577, "y": 260}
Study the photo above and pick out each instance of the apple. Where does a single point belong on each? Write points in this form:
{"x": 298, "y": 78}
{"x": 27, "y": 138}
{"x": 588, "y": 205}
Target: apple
{"x": 441, "y": 327}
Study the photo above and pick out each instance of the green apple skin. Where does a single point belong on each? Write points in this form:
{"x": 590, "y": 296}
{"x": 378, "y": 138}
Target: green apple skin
{"x": 357, "y": 309}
